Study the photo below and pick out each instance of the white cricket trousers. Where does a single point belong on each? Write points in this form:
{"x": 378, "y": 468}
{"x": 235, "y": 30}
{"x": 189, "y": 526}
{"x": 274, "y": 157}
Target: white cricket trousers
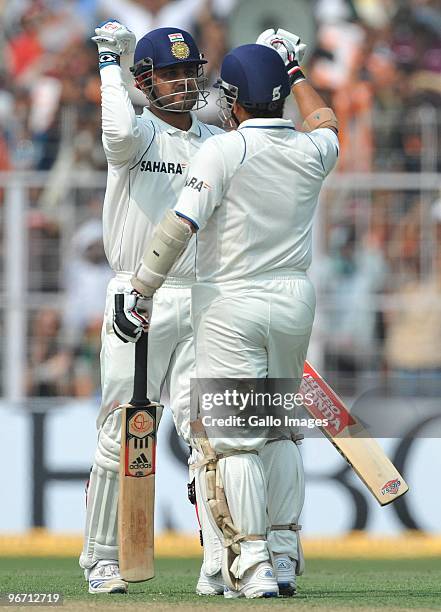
{"x": 256, "y": 329}
{"x": 170, "y": 363}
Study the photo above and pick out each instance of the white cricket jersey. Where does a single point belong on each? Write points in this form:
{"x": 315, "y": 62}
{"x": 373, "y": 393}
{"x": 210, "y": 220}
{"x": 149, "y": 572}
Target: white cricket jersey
{"x": 253, "y": 193}
{"x": 148, "y": 162}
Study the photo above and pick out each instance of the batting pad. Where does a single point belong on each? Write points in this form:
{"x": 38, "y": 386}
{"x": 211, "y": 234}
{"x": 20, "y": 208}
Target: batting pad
{"x": 101, "y": 534}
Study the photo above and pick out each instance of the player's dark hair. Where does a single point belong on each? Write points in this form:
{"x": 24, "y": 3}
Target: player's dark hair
{"x": 272, "y": 111}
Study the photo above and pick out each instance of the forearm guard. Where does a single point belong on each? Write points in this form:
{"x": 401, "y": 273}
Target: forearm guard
{"x": 169, "y": 240}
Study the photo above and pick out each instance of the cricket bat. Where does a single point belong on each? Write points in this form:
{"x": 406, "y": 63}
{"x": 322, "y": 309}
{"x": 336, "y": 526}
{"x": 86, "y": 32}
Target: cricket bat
{"x": 137, "y": 476}
{"x": 351, "y": 439}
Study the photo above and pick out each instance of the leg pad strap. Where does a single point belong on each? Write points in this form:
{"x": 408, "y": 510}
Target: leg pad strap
{"x": 290, "y": 527}
{"x": 300, "y": 566}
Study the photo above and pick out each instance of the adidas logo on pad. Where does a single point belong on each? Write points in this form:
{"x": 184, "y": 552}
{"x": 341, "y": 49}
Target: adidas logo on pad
{"x": 282, "y": 565}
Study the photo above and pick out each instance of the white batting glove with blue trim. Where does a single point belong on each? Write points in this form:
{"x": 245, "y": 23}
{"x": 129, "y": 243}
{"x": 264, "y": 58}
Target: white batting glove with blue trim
{"x": 113, "y": 40}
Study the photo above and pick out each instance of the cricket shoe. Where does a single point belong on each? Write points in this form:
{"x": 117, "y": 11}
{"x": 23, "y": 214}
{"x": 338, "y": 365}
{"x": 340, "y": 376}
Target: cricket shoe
{"x": 286, "y": 575}
{"x": 258, "y": 581}
{"x": 104, "y": 577}
{"x": 210, "y": 585}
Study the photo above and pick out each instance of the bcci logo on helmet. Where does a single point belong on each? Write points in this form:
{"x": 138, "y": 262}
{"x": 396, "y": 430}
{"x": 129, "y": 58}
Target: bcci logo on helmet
{"x": 391, "y": 487}
{"x": 180, "y": 50}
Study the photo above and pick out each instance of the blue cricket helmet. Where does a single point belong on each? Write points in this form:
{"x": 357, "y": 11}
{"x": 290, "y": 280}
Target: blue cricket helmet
{"x": 259, "y": 74}
{"x": 168, "y": 46}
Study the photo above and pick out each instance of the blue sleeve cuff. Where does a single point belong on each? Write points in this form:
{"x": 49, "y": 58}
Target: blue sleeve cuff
{"x": 196, "y": 226}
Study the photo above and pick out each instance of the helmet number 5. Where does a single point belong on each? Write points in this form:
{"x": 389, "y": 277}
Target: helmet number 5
{"x": 276, "y": 93}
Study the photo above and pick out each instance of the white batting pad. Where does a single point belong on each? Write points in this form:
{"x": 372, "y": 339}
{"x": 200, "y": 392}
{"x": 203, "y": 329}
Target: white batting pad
{"x": 245, "y": 490}
{"x": 213, "y": 548}
{"x": 101, "y": 535}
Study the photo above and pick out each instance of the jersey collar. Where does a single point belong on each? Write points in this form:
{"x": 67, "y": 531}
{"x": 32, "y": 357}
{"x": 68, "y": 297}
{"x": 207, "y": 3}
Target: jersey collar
{"x": 195, "y": 128}
{"x": 269, "y": 124}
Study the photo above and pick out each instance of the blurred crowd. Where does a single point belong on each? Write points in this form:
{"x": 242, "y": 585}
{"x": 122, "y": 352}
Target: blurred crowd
{"x": 377, "y": 62}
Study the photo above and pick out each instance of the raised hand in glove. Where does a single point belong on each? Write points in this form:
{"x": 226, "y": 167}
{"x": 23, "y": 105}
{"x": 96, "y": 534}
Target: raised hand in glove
{"x": 113, "y": 39}
{"x": 290, "y": 49}
{"x": 131, "y": 314}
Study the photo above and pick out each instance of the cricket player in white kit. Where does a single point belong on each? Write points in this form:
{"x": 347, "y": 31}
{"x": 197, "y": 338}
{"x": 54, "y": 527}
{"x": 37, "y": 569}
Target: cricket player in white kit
{"x": 148, "y": 158}
{"x": 251, "y": 196}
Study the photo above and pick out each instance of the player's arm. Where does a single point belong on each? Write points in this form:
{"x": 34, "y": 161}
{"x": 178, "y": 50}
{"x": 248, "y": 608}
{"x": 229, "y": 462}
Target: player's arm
{"x": 311, "y": 105}
{"x": 121, "y": 133}
{"x": 169, "y": 240}
{"x": 313, "y": 108}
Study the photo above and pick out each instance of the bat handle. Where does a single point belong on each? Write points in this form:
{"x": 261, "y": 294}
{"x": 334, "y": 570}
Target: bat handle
{"x": 140, "y": 379}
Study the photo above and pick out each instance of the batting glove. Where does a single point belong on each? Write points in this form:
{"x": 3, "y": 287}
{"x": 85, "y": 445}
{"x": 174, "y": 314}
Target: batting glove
{"x": 290, "y": 49}
{"x": 113, "y": 39}
{"x": 131, "y": 315}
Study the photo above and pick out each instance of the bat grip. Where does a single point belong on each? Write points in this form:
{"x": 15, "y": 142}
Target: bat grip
{"x": 140, "y": 379}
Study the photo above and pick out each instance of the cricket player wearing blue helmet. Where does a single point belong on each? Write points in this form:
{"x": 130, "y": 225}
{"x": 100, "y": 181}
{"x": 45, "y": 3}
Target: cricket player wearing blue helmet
{"x": 256, "y": 77}
{"x": 168, "y": 68}
{"x": 148, "y": 156}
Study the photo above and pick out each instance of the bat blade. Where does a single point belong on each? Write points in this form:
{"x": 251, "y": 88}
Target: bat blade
{"x": 351, "y": 439}
{"x": 137, "y": 492}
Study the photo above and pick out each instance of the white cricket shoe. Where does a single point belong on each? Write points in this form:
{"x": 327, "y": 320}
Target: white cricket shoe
{"x": 104, "y": 577}
{"x": 210, "y": 585}
{"x": 258, "y": 581}
{"x": 286, "y": 575}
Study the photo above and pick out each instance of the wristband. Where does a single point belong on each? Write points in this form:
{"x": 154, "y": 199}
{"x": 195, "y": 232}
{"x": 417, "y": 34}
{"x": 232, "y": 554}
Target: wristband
{"x": 108, "y": 58}
{"x": 295, "y": 73}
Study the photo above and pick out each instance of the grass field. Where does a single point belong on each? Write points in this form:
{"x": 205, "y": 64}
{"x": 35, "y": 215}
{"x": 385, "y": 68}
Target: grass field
{"x": 402, "y": 584}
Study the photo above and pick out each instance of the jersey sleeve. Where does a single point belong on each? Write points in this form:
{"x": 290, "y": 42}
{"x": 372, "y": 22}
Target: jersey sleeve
{"x": 324, "y": 147}
{"x": 204, "y": 186}
{"x": 122, "y": 134}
